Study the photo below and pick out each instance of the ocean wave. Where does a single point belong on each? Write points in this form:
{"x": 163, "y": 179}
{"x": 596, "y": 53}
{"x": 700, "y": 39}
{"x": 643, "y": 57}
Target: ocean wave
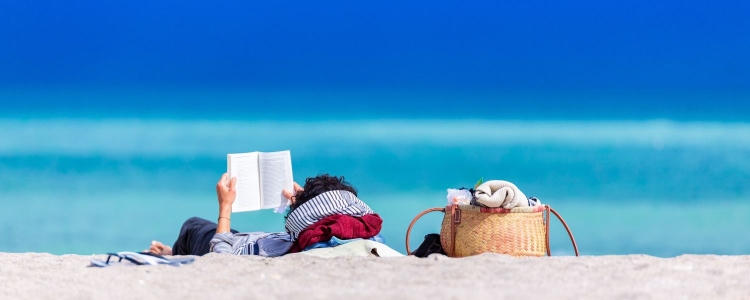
{"x": 163, "y": 137}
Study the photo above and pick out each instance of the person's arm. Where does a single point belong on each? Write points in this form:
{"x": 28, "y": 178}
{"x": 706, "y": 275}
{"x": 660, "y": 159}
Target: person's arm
{"x": 222, "y": 243}
{"x": 226, "y": 193}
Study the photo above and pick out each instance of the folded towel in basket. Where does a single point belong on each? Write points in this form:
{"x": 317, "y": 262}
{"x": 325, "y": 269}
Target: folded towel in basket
{"x": 500, "y": 193}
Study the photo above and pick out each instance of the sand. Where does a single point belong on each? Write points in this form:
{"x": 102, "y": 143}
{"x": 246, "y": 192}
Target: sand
{"x": 487, "y": 276}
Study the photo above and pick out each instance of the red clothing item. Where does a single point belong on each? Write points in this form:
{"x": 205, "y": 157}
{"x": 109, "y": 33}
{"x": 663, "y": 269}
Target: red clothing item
{"x": 341, "y": 226}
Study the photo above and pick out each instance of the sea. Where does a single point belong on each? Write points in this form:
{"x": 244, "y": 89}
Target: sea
{"x": 629, "y": 119}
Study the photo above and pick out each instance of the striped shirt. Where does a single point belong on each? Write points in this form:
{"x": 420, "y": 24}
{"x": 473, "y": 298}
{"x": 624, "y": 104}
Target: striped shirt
{"x": 252, "y": 243}
{"x": 322, "y": 206}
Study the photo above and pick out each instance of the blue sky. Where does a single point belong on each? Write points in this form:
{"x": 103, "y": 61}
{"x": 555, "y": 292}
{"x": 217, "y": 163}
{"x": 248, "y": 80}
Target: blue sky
{"x": 679, "y": 52}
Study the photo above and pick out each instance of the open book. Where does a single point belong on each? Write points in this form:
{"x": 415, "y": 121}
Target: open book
{"x": 261, "y": 176}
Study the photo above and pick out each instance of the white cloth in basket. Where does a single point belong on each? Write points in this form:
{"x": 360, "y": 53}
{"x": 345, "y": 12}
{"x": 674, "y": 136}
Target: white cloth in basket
{"x": 500, "y": 193}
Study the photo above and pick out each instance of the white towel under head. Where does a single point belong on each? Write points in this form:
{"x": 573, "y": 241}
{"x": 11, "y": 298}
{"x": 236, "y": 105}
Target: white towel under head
{"x": 500, "y": 193}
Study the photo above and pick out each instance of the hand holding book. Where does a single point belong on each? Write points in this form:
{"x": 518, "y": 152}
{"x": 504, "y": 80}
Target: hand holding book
{"x": 226, "y": 192}
{"x": 290, "y": 195}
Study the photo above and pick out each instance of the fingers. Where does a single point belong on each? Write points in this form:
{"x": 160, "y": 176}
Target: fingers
{"x": 297, "y": 188}
{"x": 159, "y": 248}
{"x": 232, "y": 183}
{"x": 287, "y": 194}
{"x": 222, "y": 181}
{"x": 226, "y": 185}
{"x": 156, "y": 247}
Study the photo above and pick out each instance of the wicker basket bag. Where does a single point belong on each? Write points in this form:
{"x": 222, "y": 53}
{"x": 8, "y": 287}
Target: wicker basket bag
{"x": 470, "y": 230}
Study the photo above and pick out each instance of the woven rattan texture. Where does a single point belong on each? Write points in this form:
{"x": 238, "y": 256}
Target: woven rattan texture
{"x": 519, "y": 232}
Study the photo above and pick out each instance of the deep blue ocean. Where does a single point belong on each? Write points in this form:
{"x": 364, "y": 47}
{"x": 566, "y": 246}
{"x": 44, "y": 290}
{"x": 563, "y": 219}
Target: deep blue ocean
{"x": 630, "y": 119}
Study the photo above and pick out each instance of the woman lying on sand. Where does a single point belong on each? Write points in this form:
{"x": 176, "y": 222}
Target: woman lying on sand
{"x": 325, "y": 213}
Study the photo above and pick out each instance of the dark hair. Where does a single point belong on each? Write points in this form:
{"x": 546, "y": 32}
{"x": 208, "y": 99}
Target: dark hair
{"x": 317, "y": 185}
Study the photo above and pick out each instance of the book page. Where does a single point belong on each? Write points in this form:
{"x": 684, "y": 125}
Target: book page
{"x": 275, "y": 175}
{"x": 244, "y": 167}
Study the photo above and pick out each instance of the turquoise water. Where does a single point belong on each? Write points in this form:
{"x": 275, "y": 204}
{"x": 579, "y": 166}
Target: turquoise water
{"x": 630, "y": 118}
{"x": 92, "y": 185}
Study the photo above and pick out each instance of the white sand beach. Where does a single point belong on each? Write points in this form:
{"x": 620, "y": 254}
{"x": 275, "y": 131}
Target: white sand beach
{"x": 296, "y": 276}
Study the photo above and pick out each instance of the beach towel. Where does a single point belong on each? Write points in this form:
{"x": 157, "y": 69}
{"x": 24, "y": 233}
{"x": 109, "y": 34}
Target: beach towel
{"x": 500, "y": 193}
{"x": 360, "y": 248}
{"x": 139, "y": 259}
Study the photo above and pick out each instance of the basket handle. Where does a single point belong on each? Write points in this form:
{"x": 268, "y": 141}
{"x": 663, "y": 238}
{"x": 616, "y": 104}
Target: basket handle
{"x": 570, "y": 234}
{"x": 408, "y": 231}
